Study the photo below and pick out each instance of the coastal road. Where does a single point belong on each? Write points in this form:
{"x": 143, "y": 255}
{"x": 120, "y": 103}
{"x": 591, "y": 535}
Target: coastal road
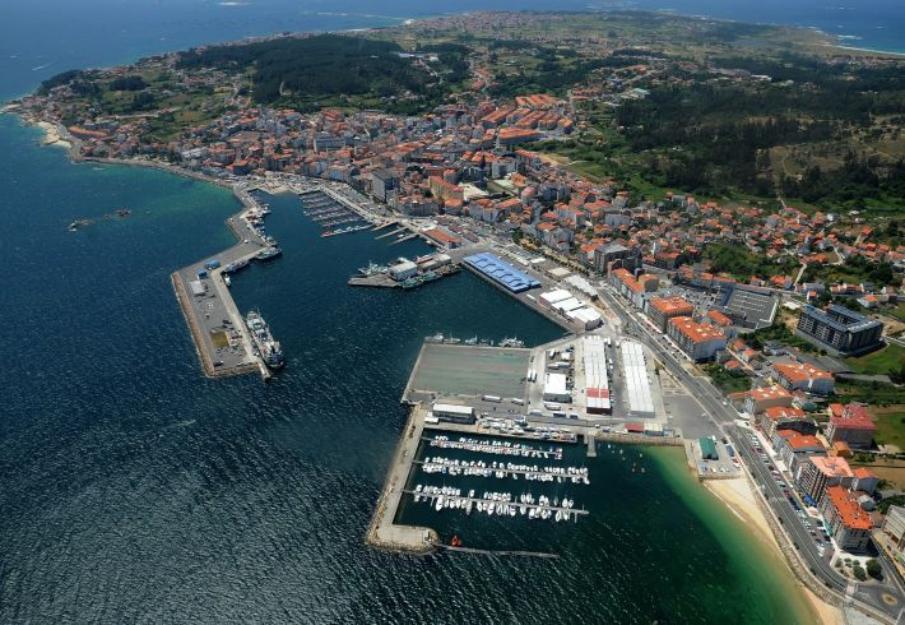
{"x": 887, "y": 598}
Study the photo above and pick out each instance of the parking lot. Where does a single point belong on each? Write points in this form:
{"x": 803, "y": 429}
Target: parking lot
{"x": 809, "y": 519}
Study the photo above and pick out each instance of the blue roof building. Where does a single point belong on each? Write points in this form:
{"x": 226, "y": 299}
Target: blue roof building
{"x": 501, "y": 272}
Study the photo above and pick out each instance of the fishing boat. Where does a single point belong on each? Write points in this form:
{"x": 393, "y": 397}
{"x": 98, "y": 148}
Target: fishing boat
{"x": 268, "y": 253}
{"x": 512, "y": 342}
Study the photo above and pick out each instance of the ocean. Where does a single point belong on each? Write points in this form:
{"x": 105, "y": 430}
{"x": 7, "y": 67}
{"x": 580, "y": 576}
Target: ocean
{"x": 134, "y": 490}
{"x": 44, "y": 37}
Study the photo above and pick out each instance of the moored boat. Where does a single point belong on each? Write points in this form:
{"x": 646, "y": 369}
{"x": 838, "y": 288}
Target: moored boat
{"x": 268, "y": 349}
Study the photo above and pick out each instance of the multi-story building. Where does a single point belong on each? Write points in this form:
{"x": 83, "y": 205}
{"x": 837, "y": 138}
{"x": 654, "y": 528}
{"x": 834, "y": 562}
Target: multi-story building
{"x": 865, "y": 480}
{"x": 762, "y": 398}
{"x": 383, "y": 182}
{"x": 778, "y": 418}
{"x": 700, "y": 341}
{"x": 847, "y": 523}
{"x": 853, "y": 425}
{"x": 819, "y": 473}
{"x": 445, "y": 190}
{"x": 662, "y": 309}
{"x": 795, "y": 448}
{"x": 618, "y": 254}
{"x": 839, "y": 330}
{"x": 801, "y": 376}
{"x": 628, "y": 286}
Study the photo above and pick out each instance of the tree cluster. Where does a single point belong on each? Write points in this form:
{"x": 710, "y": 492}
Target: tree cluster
{"x": 292, "y": 70}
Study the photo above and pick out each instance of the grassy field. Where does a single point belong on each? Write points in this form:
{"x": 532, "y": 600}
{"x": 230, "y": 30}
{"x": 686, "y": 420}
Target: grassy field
{"x": 892, "y": 472}
{"x": 890, "y": 422}
{"x": 728, "y": 381}
{"x": 880, "y": 361}
{"x": 898, "y": 312}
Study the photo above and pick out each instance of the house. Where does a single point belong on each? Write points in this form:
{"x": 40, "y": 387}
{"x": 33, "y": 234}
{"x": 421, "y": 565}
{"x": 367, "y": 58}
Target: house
{"x": 853, "y": 425}
{"x": 865, "y": 480}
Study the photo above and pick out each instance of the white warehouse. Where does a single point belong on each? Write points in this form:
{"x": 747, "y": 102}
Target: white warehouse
{"x": 637, "y": 384}
{"x": 555, "y": 388}
{"x": 597, "y": 383}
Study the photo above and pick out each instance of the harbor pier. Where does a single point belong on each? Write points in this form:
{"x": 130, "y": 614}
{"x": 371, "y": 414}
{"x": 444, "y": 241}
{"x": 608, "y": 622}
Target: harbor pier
{"x": 222, "y": 340}
{"x": 384, "y": 532}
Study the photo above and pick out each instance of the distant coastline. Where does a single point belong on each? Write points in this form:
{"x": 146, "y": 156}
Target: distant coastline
{"x": 895, "y": 53}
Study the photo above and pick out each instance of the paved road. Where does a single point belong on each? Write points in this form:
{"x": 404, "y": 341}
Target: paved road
{"x": 887, "y": 598}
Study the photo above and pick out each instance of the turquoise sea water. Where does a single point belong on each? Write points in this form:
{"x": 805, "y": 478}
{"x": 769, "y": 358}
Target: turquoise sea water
{"x": 136, "y": 490}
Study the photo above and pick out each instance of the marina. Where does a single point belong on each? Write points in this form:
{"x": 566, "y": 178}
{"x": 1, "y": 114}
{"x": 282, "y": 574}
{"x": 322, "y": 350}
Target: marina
{"x": 222, "y": 340}
{"x": 227, "y": 342}
{"x": 479, "y": 468}
{"x": 502, "y": 504}
{"x": 505, "y": 412}
{"x": 500, "y": 448}
{"x": 334, "y": 216}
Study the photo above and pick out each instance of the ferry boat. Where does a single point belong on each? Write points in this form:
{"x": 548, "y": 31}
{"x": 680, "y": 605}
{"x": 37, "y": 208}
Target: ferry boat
{"x": 269, "y": 349}
{"x": 269, "y": 252}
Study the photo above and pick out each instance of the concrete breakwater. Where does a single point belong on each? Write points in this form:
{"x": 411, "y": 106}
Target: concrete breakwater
{"x": 224, "y": 343}
{"x": 383, "y": 531}
{"x": 221, "y": 338}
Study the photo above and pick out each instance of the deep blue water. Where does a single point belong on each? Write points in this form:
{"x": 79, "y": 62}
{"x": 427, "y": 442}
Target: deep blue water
{"x": 874, "y": 24}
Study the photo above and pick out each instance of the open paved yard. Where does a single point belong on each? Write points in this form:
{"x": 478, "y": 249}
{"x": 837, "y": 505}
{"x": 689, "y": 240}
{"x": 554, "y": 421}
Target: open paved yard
{"x": 465, "y": 370}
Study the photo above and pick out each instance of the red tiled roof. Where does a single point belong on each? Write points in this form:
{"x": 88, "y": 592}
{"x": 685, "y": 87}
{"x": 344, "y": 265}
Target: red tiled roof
{"x": 853, "y": 417}
{"x": 848, "y": 510}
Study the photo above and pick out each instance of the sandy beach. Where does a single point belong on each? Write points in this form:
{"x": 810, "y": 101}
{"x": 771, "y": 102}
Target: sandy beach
{"x": 738, "y": 495}
{"x": 52, "y": 135}
{"x": 866, "y": 51}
